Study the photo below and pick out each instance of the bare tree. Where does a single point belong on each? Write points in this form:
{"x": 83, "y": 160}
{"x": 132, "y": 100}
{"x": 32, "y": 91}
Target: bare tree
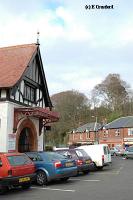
{"x": 112, "y": 91}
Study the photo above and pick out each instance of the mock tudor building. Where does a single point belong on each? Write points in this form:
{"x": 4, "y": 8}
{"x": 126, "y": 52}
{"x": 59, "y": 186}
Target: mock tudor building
{"x": 25, "y": 105}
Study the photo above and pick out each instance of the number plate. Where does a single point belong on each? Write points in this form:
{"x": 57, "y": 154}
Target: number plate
{"x": 87, "y": 161}
{"x": 24, "y": 179}
{"x": 69, "y": 164}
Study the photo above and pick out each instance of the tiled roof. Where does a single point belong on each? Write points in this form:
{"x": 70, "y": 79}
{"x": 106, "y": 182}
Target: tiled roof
{"x": 13, "y": 62}
{"x": 122, "y": 122}
{"x": 88, "y": 127}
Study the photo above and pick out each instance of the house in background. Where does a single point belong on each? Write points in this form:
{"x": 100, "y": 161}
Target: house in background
{"x": 118, "y": 132}
{"x": 25, "y": 105}
{"x": 86, "y": 134}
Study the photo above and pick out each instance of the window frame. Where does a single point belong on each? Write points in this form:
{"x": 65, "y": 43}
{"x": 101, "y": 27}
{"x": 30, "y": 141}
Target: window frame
{"x": 31, "y": 88}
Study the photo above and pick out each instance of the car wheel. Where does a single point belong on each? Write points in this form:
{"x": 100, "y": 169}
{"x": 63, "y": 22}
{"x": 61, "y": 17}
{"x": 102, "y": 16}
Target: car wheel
{"x": 64, "y": 179}
{"x": 100, "y": 167}
{"x": 41, "y": 178}
{"x": 3, "y": 189}
{"x": 26, "y": 186}
{"x": 86, "y": 171}
{"x": 125, "y": 156}
{"x": 95, "y": 167}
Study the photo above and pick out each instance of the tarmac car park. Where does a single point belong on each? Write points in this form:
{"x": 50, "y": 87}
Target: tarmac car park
{"x": 113, "y": 182}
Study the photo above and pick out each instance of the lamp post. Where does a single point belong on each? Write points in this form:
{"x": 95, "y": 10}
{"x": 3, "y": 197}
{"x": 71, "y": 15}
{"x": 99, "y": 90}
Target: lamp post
{"x": 95, "y": 131}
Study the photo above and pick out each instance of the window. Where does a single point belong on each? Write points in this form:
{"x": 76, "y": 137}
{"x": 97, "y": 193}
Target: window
{"x": 130, "y": 131}
{"x": 106, "y": 150}
{"x": 117, "y": 132}
{"x": 105, "y": 133}
{"x": 29, "y": 93}
{"x": 19, "y": 160}
{"x": 80, "y": 136}
{"x": 87, "y": 135}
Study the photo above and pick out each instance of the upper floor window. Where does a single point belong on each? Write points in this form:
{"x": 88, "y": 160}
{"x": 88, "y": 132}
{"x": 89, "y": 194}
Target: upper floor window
{"x": 80, "y": 136}
{"x": 105, "y": 133}
{"x": 117, "y": 132}
{"x": 87, "y": 134}
{"x": 130, "y": 131}
{"x": 29, "y": 93}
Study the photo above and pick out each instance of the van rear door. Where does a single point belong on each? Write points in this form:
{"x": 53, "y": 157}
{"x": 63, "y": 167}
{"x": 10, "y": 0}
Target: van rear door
{"x": 107, "y": 154}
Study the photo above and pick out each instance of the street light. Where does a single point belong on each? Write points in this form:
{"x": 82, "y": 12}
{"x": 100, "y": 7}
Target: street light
{"x": 95, "y": 130}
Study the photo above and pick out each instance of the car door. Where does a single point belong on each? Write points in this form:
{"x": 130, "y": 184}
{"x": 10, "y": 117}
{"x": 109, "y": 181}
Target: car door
{"x": 130, "y": 152}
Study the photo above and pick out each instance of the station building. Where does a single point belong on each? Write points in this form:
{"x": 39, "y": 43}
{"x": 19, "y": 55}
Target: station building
{"x": 25, "y": 106}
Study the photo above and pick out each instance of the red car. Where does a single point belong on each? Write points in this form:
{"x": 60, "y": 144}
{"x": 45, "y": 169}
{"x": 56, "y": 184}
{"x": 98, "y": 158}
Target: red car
{"x": 16, "y": 169}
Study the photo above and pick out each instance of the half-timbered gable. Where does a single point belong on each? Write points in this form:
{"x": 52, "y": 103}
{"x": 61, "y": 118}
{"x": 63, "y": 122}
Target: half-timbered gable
{"x": 25, "y": 105}
{"x": 31, "y": 88}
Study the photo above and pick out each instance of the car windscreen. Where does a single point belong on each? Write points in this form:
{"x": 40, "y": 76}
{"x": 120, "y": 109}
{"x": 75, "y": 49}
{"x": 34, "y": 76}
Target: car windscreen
{"x": 51, "y": 156}
{"x": 16, "y": 160}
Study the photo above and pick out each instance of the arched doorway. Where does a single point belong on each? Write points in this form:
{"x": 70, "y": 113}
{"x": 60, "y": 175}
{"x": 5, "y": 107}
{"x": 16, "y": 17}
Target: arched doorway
{"x": 25, "y": 140}
{"x": 26, "y": 137}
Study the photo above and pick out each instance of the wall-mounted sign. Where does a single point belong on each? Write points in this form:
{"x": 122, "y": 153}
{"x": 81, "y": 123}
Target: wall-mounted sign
{"x": 11, "y": 142}
{"x": 128, "y": 139}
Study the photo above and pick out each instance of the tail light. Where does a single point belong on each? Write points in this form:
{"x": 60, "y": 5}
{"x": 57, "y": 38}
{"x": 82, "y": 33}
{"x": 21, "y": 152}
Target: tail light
{"x": 58, "y": 164}
{"x": 79, "y": 162}
{"x": 103, "y": 158}
{"x": 10, "y": 172}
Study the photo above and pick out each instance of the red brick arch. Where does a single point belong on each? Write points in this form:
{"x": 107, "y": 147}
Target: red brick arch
{"x": 27, "y": 123}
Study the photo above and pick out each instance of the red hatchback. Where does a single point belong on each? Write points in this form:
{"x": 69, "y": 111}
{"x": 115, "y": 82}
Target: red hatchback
{"x": 16, "y": 169}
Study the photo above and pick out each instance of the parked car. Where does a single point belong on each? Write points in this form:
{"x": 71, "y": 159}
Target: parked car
{"x": 83, "y": 160}
{"x": 128, "y": 153}
{"x": 16, "y": 169}
{"x": 51, "y": 166}
{"x": 99, "y": 153}
{"x": 116, "y": 151}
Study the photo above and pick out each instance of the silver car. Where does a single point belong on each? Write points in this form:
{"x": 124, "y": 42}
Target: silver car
{"x": 128, "y": 153}
{"x": 117, "y": 151}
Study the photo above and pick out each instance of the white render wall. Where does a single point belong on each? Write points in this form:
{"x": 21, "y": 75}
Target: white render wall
{"x": 40, "y": 138}
{"x": 6, "y": 126}
{"x": 7, "y": 119}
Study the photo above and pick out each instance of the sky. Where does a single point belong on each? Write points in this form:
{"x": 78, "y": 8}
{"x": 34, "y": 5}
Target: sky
{"x": 79, "y": 47}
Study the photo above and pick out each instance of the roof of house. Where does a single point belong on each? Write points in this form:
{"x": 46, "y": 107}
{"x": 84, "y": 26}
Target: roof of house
{"x": 88, "y": 127}
{"x": 13, "y": 63}
{"x": 122, "y": 122}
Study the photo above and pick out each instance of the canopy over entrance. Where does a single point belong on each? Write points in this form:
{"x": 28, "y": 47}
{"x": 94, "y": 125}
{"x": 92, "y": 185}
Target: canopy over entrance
{"x": 44, "y": 115}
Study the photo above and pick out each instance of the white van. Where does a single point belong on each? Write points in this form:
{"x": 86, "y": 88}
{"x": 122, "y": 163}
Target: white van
{"x": 99, "y": 153}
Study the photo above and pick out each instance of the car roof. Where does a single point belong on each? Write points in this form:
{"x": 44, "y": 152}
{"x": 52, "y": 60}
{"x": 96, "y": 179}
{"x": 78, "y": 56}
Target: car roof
{"x": 11, "y": 154}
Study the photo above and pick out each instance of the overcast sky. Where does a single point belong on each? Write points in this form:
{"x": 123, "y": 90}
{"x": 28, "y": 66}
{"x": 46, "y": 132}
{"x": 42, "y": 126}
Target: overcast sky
{"x": 79, "y": 47}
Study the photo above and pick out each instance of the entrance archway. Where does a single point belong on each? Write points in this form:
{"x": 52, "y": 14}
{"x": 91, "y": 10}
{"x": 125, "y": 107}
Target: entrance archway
{"x": 26, "y": 139}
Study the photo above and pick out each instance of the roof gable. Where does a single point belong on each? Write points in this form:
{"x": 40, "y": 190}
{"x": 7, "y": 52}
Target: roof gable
{"x": 123, "y": 122}
{"x": 89, "y": 127}
{"x": 13, "y": 63}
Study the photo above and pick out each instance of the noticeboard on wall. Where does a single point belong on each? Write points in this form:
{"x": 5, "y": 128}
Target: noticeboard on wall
{"x": 11, "y": 142}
